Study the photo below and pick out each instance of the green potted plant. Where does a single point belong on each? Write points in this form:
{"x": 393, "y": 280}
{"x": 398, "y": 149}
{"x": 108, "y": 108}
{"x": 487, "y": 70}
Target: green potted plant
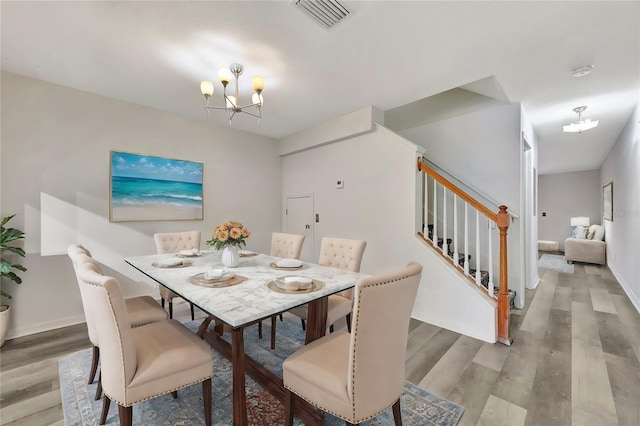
{"x": 7, "y": 269}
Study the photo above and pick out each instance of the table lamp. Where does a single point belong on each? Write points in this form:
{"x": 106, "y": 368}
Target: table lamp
{"x": 579, "y": 222}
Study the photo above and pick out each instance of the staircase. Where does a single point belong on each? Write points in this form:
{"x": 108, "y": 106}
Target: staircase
{"x": 484, "y": 275}
{"x": 452, "y": 219}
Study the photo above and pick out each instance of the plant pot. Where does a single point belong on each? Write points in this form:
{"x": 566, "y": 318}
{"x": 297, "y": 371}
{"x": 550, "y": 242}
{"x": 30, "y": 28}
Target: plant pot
{"x": 4, "y": 323}
{"x": 230, "y": 256}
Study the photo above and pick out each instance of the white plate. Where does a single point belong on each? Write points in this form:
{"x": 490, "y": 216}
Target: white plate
{"x": 288, "y": 263}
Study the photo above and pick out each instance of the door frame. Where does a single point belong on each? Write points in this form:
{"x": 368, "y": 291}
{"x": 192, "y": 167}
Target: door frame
{"x": 285, "y": 200}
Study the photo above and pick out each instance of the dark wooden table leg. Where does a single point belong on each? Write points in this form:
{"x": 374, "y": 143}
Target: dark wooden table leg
{"x": 316, "y": 319}
{"x": 203, "y": 326}
{"x": 239, "y": 393}
{"x": 266, "y": 378}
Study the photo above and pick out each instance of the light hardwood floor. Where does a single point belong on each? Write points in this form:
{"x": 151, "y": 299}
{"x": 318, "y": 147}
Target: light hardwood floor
{"x": 574, "y": 361}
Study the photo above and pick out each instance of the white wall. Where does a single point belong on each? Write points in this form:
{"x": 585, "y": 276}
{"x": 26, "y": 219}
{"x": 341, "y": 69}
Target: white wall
{"x": 355, "y": 123}
{"x": 55, "y": 176}
{"x": 566, "y": 195}
{"x": 482, "y": 150}
{"x": 622, "y": 167}
{"x": 378, "y": 204}
{"x": 529, "y": 201}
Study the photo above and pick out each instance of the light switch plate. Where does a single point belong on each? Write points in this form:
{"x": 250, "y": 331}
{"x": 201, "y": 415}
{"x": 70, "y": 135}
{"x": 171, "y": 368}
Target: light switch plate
{"x": 339, "y": 184}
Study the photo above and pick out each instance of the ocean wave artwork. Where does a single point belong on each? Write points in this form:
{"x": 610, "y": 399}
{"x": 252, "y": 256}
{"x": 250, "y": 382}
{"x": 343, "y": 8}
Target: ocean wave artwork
{"x": 145, "y": 187}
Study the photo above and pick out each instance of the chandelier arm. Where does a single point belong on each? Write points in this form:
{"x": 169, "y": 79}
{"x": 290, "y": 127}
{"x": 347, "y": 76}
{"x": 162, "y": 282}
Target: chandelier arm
{"x": 235, "y": 106}
{"x": 252, "y": 114}
{"x": 208, "y": 107}
{"x": 249, "y": 106}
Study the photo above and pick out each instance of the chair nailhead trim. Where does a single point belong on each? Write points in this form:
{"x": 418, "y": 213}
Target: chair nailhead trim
{"x": 163, "y": 393}
{"x": 353, "y": 420}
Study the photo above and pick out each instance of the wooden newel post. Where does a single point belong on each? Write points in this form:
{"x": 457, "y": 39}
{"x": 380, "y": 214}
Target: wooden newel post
{"x": 503, "y": 296}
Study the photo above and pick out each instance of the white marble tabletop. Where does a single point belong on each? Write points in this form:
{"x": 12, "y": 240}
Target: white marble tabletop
{"x": 250, "y": 300}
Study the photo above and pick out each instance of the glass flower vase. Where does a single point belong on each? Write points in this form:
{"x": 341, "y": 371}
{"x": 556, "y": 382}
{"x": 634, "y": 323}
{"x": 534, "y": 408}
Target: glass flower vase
{"x": 230, "y": 256}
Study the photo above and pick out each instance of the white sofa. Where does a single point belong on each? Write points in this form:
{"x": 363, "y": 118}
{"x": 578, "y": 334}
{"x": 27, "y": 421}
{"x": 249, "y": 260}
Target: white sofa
{"x": 591, "y": 249}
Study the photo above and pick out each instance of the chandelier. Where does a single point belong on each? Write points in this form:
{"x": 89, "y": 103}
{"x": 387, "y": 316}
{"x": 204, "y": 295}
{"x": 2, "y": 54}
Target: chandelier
{"x": 231, "y": 102}
{"x": 581, "y": 124}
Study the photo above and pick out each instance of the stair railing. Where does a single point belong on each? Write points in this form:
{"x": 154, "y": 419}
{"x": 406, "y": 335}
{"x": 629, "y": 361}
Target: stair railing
{"x": 484, "y": 281}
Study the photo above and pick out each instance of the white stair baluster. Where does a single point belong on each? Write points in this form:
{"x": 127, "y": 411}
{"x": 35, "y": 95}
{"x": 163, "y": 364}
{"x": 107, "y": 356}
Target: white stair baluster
{"x": 434, "y": 236}
{"x": 425, "y": 213}
{"x": 445, "y": 248}
{"x": 490, "y": 286}
{"x": 466, "y": 239}
{"x": 478, "y": 247}
{"x": 456, "y": 259}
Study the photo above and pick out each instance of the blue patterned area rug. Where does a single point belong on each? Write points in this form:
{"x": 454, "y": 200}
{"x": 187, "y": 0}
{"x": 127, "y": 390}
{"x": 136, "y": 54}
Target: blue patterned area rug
{"x": 419, "y": 407}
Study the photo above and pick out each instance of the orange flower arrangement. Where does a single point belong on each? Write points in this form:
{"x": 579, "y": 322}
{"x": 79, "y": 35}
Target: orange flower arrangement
{"x": 229, "y": 234}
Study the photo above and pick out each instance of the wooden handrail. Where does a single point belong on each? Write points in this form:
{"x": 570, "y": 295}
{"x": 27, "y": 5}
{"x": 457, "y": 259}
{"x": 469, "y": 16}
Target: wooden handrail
{"x": 459, "y": 192}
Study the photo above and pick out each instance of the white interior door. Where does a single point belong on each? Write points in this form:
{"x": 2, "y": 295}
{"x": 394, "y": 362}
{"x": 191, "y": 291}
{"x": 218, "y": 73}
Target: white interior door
{"x": 299, "y": 220}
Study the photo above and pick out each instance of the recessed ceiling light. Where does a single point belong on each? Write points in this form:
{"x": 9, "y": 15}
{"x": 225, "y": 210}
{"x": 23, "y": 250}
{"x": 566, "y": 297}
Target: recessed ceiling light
{"x": 582, "y": 71}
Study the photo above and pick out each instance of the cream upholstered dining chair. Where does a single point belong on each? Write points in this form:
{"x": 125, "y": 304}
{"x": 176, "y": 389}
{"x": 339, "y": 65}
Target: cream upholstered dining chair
{"x": 145, "y": 362}
{"x": 356, "y": 376}
{"x": 288, "y": 246}
{"x": 344, "y": 254}
{"x": 173, "y": 242}
{"x": 142, "y": 309}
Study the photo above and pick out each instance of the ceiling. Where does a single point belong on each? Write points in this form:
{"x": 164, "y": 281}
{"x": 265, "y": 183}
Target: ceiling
{"x": 385, "y": 54}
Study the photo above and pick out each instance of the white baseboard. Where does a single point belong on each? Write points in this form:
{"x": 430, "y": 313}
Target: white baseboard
{"x": 626, "y": 287}
{"x": 45, "y": 326}
{"x": 60, "y": 322}
{"x": 535, "y": 284}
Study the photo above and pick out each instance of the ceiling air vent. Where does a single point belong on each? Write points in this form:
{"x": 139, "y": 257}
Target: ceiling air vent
{"x": 326, "y": 13}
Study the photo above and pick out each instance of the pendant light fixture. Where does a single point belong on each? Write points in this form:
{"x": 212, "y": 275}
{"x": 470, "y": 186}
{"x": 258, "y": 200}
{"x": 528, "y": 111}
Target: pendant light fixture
{"x": 232, "y": 102}
{"x": 581, "y": 124}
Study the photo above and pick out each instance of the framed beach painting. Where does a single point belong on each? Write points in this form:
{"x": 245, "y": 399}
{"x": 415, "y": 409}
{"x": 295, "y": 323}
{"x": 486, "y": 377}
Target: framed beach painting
{"x": 144, "y": 187}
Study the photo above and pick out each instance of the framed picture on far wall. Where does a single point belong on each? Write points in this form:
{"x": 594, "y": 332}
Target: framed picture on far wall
{"x": 144, "y": 187}
{"x": 607, "y": 201}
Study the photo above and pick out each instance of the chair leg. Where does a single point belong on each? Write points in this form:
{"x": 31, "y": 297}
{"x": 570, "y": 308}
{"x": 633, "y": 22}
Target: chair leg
{"x": 193, "y": 315}
{"x": 174, "y": 394}
{"x": 348, "y": 317}
{"x": 281, "y": 317}
{"x": 289, "y": 407}
{"x": 397, "y": 415}
{"x": 106, "y": 402}
{"x": 273, "y": 331}
{"x": 94, "y": 364}
{"x": 99, "y": 388}
{"x": 126, "y": 415}
{"x": 260, "y": 330}
{"x": 206, "y": 398}
{"x": 331, "y": 328}
{"x": 162, "y": 302}
{"x": 170, "y": 309}
{"x": 304, "y": 327}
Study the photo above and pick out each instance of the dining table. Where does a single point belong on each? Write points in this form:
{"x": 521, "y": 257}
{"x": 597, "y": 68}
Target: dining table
{"x": 244, "y": 296}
